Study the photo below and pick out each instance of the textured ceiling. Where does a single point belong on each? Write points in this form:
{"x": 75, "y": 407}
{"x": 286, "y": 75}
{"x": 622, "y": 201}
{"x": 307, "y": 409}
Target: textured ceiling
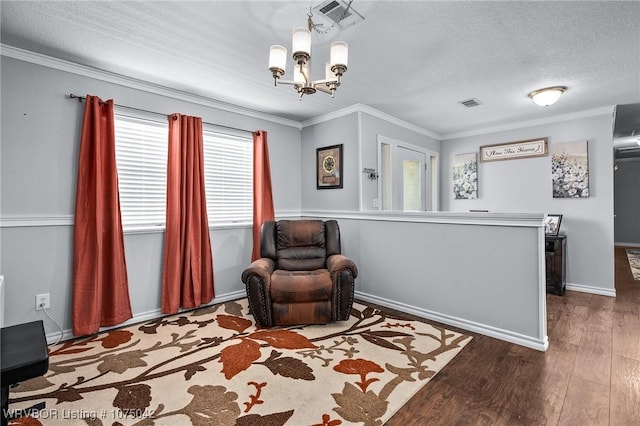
{"x": 413, "y": 60}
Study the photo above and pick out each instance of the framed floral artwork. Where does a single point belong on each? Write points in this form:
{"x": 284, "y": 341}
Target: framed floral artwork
{"x": 570, "y": 170}
{"x": 465, "y": 176}
{"x": 329, "y": 167}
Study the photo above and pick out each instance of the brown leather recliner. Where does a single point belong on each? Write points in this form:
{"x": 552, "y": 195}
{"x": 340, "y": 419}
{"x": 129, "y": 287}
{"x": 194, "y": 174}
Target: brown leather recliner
{"x": 302, "y": 277}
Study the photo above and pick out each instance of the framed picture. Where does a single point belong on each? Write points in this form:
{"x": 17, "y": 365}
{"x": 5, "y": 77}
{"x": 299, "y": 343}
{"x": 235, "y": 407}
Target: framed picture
{"x": 513, "y": 150}
{"x": 329, "y": 167}
{"x": 552, "y": 224}
{"x": 570, "y": 170}
{"x": 465, "y": 176}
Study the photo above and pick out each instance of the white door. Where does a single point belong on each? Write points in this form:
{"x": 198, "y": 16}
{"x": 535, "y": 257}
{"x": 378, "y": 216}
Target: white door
{"x": 411, "y": 190}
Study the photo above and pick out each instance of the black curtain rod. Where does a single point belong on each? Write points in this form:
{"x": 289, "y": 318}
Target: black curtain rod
{"x": 83, "y": 98}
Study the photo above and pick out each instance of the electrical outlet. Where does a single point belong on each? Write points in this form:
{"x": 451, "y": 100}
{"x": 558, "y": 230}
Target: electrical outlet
{"x": 375, "y": 202}
{"x": 42, "y": 301}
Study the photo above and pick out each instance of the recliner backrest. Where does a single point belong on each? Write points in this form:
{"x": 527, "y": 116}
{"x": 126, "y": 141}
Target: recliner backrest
{"x": 300, "y": 245}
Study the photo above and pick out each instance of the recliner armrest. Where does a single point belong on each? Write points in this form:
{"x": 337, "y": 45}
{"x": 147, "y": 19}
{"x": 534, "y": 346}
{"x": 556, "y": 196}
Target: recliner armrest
{"x": 338, "y": 262}
{"x": 262, "y": 267}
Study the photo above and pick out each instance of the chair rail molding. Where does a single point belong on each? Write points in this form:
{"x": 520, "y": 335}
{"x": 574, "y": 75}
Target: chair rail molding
{"x": 461, "y": 218}
{"x": 23, "y": 221}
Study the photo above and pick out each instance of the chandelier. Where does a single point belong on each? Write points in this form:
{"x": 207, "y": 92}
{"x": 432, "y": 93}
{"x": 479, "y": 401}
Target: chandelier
{"x": 302, "y": 82}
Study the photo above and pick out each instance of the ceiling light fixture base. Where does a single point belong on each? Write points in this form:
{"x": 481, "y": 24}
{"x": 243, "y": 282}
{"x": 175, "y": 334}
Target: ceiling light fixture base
{"x": 548, "y": 95}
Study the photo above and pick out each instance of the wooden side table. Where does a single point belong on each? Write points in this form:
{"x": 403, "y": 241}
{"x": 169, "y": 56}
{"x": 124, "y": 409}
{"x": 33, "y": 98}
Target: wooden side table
{"x": 556, "y": 264}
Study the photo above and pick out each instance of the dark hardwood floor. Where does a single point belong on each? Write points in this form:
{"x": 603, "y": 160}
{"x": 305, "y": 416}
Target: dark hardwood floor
{"x": 590, "y": 375}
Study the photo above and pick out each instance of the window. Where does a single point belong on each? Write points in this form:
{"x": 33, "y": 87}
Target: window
{"x": 141, "y": 157}
{"x": 228, "y": 166}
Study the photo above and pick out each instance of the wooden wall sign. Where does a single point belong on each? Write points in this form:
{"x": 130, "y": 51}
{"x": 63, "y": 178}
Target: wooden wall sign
{"x": 512, "y": 150}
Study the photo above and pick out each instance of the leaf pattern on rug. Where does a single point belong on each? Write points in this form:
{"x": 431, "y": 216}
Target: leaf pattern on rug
{"x": 213, "y": 366}
{"x": 288, "y": 367}
{"x": 634, "y": 262}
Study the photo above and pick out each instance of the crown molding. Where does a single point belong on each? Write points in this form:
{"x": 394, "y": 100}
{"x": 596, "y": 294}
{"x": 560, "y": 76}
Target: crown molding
{"x": 330, "y": 116}
{"x": 373, "y": 112}
{"x": 530, "y": 123}
{"x": 122, "y": 80}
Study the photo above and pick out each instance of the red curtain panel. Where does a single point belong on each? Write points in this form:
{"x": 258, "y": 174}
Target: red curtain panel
{"x": 100, "y": 285}
{"x": 262, "y": 193}
{"x": 187, "y": 272}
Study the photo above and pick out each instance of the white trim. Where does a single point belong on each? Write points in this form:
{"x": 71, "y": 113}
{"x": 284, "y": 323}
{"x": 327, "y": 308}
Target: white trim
{"x": 611, "y": 292}
{"x": 122, "y": 80}
{"x": 627, "y": 244}
{"x": 360, "y": 164}
{"x": 285, "y": 214}
{"x": 461, "y": 218}
{"x": 398, "y": 122}
{"x": 23, "y": 221}
{"x": 373, "y": 112}
{"x": 530, "y": 123}
{"x": 145, "y": 316}
{"x": 542, "y": 286}
{"x": 330, "y": 116}
{"x": 487, "y": 330}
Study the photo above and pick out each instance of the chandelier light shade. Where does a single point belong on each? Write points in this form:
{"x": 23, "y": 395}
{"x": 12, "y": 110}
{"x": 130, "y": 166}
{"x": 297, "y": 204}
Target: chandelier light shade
{"x": 278, "y": 58}
{"x": 339, "y": 54}
{"x": 301, "y": 48}
{"x": 547, "y": 96}
{"x": 301, "y": 45}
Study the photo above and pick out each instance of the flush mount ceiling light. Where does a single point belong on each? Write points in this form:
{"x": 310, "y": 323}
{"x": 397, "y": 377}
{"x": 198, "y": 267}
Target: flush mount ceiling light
{"x": 547, "y": 96}
{"x": 301, "y": 46}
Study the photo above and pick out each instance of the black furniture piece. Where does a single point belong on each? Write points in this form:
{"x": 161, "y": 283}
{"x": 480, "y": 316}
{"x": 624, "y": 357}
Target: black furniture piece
{"x": 24, "y": 352}
{"x": 556, "y": 264}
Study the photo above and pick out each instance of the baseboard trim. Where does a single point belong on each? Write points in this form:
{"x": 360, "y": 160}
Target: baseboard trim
{"x": 145, "y": 316}
{"x": 627, "y": 244}
{"x": 506, "y": 335}
{"x": 593, "y": 290}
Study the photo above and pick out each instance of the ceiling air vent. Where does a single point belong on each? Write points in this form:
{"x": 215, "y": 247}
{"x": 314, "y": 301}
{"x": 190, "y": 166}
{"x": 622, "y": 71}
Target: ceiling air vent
{"x": 470, "y": 102}
{"x": 339, "y": 13}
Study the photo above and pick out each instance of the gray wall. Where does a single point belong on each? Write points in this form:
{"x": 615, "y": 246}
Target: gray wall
{"x": 627, "y": 202}
{"x": 351, "y": 130}
{"x": 40, "y": 136}
{"x": 524, "y": 185}
{"x": 40, "y": 131}
{"x": 486, "y": 277}
{"x": 479, "y": 277}
{"x": 343, "y": 130}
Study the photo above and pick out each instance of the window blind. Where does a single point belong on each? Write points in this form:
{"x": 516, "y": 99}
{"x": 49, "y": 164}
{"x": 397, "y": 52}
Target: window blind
{"x": 228, "y": 164}
{"x": 141, "y": 157}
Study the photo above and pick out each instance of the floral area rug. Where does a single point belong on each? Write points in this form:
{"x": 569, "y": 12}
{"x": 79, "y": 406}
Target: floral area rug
{"x": 634, "y": 262}
{"x": 213, "y": 366}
